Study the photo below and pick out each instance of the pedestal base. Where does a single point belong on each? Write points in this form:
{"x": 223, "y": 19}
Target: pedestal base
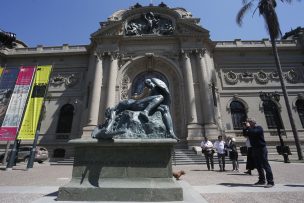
{"x": 122, "y": 170}
{"x": 113, "y": 189}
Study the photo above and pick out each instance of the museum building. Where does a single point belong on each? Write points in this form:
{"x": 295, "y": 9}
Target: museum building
{"x": 214, "y": 85}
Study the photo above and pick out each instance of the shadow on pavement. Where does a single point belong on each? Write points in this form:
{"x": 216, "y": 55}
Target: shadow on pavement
{"x": 199, "y": 170}
{"x": 294, "y": 185}
{"x": 53, "y": 194}
{"x": 240, "y": 185}
{"x": 237, "y": 174}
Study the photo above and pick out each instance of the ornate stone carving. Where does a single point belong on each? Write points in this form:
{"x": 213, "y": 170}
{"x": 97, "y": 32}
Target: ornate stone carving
{"x": 266, "y": 96}
{"x": 292, "y": 76}
{"x": 124, "y": 88}
{"x": 246, "y": 76}
{"x": 69, "y": 79}
{"x": 274, "y": 75}
{"x": 231, "y": 77}
{"x": 261, "y": 77}
{"x": 149, "y": 23}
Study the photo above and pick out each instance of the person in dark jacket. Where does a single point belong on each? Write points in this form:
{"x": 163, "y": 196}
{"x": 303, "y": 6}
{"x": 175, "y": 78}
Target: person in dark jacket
{"x": 256, "y": 137}
{"x": 250, "y": 164}
{"x": 233, "y": 155}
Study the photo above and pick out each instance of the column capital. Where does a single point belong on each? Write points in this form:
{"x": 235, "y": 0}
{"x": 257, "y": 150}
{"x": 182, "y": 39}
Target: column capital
{"x": 112, "y": 54}
{"x": 200, "y": 52}
{"x": 185, "y": 53}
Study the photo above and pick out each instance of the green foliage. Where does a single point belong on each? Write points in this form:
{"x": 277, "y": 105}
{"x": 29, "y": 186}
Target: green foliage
{"x": 267, "y": 10}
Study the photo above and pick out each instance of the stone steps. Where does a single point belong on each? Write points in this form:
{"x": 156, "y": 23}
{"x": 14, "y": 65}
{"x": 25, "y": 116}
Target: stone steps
{"x": 179, "y": 157}
{"x": 182, "y": 156}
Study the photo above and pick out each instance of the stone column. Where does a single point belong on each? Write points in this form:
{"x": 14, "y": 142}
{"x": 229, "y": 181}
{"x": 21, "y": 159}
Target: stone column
{"x": 206, "y": 95}
{"x": 111, "y": 80}
{"x": 94, "y": 100}
{"x": 193, "y": 128}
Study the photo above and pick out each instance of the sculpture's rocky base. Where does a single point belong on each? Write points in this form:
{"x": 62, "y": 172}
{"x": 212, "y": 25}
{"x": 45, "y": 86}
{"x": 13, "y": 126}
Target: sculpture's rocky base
{"x": 122, "y": 170}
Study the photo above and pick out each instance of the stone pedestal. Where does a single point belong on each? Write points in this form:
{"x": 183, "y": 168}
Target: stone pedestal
{"x": 122, "y": 170}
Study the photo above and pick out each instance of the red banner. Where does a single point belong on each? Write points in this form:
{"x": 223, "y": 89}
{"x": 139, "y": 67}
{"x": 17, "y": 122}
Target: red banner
{"x": 17, "y": 104}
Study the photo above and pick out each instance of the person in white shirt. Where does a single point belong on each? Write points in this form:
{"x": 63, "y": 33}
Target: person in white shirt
{"x": 219, "y": 145}
{"x": 207, "y": 149}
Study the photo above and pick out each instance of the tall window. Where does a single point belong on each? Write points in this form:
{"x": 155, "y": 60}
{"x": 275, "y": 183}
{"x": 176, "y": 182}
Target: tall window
{"x": 300, "y": 108}
{"x": 238, "y": 114}
{"x": 272, "y": 115}
{"x": 65, "y": 119}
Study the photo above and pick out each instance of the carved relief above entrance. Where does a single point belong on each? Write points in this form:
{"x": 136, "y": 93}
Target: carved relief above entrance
{"x": 149, "y": 23}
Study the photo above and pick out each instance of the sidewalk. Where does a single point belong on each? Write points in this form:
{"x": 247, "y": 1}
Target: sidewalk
{"x": 43, "y": 181}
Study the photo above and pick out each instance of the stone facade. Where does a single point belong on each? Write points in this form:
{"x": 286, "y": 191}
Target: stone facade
{"x": 203, "y": 76}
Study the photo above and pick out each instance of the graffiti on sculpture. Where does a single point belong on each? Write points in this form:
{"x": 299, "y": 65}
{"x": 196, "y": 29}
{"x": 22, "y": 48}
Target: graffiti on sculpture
{"x": 149, "y": 23}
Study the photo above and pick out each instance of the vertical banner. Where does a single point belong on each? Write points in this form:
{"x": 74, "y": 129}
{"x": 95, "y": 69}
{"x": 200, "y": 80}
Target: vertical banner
{"x": 1, "y": 70}
{"x": 14, "y": 113}
{"x": 32, "y": 113}
{"x": 7, "y": 84}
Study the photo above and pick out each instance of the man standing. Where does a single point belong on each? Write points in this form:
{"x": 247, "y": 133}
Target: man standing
{"x": 256, "y": 137}
{"x": 219, "y": 145}
{"x": 207, "y": 149}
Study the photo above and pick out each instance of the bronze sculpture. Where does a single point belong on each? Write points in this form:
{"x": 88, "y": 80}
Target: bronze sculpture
{"x": 158, "y": 100}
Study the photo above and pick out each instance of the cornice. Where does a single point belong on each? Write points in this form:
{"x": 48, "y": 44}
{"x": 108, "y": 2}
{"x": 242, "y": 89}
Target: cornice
{"x": 254, "y": 44}
{"x": 55, "y": 50}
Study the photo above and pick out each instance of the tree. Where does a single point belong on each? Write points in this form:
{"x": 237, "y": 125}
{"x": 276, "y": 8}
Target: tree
{"x": 267, "y": 10}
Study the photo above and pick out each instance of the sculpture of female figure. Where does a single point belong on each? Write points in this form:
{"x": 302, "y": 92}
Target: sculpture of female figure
{"x": 158, "y": 100}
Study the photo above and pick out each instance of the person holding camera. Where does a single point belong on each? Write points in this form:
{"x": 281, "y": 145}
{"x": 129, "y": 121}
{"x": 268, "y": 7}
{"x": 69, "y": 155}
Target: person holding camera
{"x": 255, "y": 134}
{"x": 207, "y": 149}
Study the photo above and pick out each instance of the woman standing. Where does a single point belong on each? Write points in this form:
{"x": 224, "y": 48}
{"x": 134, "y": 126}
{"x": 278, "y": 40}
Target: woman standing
{"x": 233, "y": 155}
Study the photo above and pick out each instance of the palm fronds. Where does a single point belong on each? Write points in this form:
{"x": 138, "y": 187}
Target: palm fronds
{"x": 246, "y": 7}
{"x": 267, "y": 10}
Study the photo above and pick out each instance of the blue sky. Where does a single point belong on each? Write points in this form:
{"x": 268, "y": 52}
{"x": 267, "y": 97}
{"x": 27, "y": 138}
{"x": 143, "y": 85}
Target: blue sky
{"x": 57, "y": 22}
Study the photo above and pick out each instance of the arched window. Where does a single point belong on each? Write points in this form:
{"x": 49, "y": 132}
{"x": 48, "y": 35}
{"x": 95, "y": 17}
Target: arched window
{"x": 59, "y": 153}
{"x": 138, "y": 83}
{"x": 272, "y": 115}
{"x": 238, "y": 114}
{"x": 300, "y": 108}
{"x": 65, "y": 119}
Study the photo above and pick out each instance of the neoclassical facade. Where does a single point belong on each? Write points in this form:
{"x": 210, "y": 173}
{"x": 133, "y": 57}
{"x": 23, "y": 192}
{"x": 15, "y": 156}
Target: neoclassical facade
{"x": 214, "y": 85}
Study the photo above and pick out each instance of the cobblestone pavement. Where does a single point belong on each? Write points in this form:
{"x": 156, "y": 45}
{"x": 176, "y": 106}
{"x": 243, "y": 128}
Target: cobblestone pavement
{"x": 21, "y": 185}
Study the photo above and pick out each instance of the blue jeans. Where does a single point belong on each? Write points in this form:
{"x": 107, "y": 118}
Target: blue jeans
{"x": 221, "y": 159}
{"x": 261, "y": 160}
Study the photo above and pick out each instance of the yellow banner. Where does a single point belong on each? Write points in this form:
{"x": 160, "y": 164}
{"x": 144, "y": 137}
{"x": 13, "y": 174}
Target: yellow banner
{"x": 32, "y": 113}
{"x": 1, "y": 70}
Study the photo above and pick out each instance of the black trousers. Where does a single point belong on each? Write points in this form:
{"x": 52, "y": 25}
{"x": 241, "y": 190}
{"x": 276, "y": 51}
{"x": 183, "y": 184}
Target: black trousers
{"x": 261, "y": 160}
{"x": 250, "y": 164}
{"x": 209, "y": 159}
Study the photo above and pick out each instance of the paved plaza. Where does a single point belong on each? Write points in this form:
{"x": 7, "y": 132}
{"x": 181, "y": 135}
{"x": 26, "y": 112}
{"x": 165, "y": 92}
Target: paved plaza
{"x": 41, "y": 184}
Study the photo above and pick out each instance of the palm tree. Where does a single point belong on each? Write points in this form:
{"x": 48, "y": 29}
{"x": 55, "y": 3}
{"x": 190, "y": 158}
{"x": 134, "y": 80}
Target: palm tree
{"x": 267, "y": 10}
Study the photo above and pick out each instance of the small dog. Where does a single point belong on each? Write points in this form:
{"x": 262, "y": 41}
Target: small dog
{"x": 178, "y": 174}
